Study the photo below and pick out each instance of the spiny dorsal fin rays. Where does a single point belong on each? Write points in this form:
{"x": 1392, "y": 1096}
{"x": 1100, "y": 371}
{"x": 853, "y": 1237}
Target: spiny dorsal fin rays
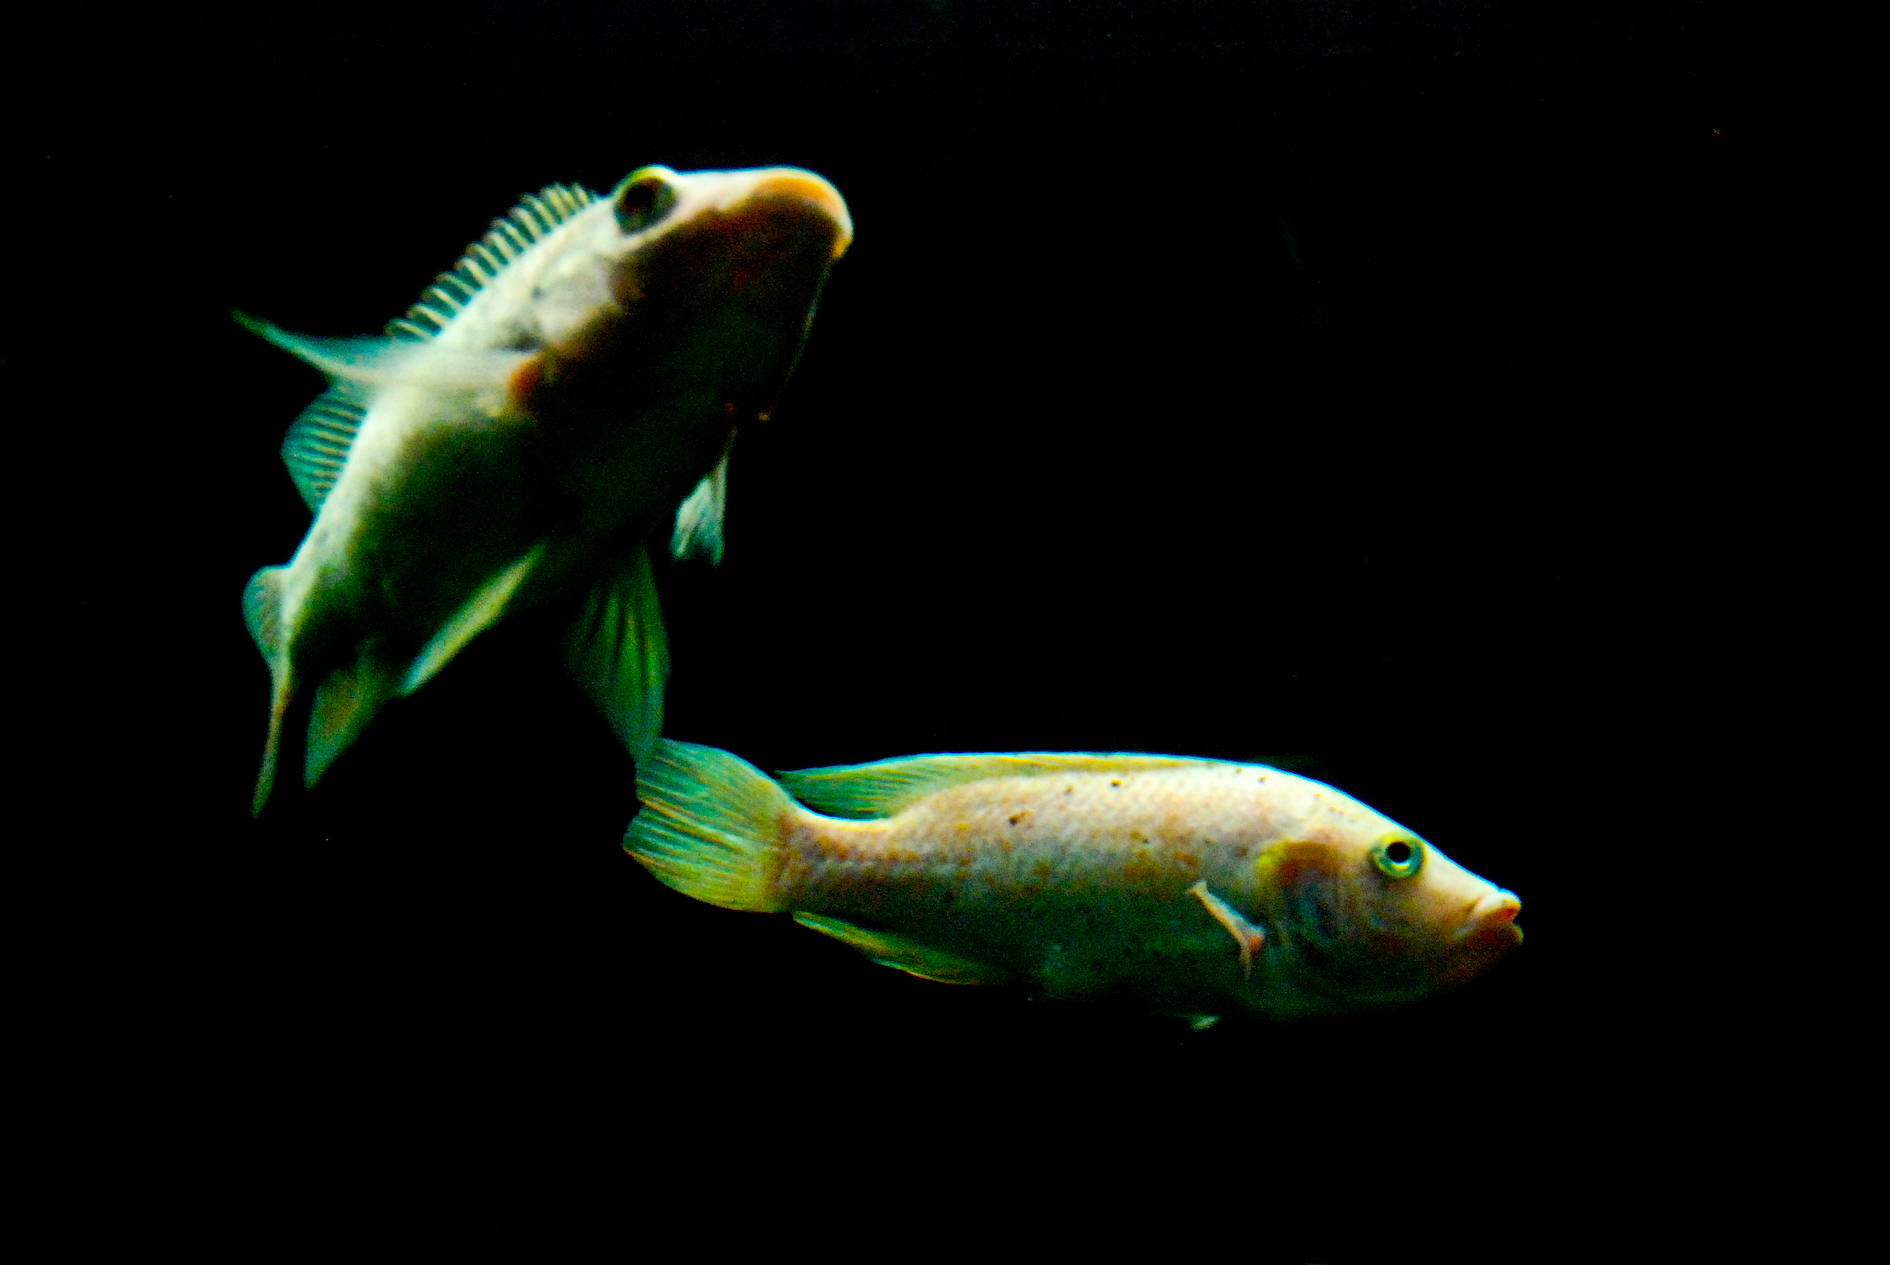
{"x": 510, "y": 236}
{"x": 883, "y": 788}
{"x": 317, "y": 444}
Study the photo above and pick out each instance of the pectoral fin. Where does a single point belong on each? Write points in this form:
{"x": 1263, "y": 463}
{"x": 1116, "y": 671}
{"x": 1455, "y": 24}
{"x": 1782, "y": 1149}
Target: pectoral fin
{"x": 481, "y": 611}
{"x": 380, "y": 361}
{"x": 903, "y": 954}
{"x": 349, "y": 358}
{"x": 618, "y": 653}
{"x": 1249, "y": 937}
{"x": 699, "y": 519}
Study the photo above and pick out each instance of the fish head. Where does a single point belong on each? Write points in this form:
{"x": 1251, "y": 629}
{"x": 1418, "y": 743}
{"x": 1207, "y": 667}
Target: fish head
{"x": 704, "y": 281}
{"x": 1368, "y": 913}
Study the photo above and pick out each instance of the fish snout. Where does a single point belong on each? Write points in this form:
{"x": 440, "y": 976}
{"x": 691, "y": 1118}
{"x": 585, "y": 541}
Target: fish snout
{"x": 791, "y": 184}
{"x": 1490, "y": 923}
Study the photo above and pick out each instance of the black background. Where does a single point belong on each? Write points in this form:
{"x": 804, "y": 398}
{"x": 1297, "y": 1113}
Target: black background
{"x": 1283, "y": 381}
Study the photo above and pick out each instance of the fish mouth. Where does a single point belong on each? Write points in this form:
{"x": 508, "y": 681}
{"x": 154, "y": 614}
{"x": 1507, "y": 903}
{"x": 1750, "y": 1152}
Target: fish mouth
{"x": 791, "y": 184}
{"x": 1489, "y": 926}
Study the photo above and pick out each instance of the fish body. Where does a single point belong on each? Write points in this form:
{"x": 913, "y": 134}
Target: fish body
{"x": 1175, "y": 885}
{"x": 515, "y": 437}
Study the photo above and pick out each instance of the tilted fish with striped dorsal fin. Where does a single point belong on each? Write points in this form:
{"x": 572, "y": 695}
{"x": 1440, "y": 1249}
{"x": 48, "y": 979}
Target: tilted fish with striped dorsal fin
{"x": 514, "y": 438}
{"x": 1173, "y": 885}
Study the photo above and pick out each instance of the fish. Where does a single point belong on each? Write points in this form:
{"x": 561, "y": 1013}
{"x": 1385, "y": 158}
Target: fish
{"x": 1167, "y": 884}
{"x": 515, "y": 439}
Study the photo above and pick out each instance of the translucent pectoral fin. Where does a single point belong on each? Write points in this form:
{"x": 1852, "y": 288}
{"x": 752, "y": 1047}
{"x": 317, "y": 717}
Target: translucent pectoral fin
{"x": 382, "y": 361}
{"x": 902, "y": 954}
{"x": 698, "y": 531}
{"x": 353, "y": 359}
{"x": 1249, "y": 937}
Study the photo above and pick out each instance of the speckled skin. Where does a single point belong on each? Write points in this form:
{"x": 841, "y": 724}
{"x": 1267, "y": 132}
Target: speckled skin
{"x": 1078, "y": 883}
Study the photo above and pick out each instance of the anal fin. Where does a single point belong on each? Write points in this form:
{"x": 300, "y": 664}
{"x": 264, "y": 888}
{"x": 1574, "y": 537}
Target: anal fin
{"x": 903, "y": 954}
{"x": 618, "y": 653}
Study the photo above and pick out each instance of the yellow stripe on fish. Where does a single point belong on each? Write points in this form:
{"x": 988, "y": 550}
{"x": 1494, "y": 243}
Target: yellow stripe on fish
{"x": 1177, "y": 885}
{"x": 516, "y": 436}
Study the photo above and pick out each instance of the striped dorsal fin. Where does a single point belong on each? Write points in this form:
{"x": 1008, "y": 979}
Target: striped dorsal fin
{"x": 510, "y": 236}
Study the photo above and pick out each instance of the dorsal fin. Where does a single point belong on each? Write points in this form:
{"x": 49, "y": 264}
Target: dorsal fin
{"x": 883, "y": 788}
{"x": 510, "y": 236}
{"x": 317, "y": 444}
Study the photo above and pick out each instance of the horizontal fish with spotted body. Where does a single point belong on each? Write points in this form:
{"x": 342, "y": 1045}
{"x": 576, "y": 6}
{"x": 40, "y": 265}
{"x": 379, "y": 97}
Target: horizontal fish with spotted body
{"x": 512, "y": 440}
{"x": 1180, "y": 886}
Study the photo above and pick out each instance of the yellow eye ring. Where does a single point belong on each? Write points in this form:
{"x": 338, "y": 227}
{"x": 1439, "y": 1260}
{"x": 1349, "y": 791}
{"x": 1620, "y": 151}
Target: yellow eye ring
{"x": 1398, "y": 856}
{"x": 642, "y": 199}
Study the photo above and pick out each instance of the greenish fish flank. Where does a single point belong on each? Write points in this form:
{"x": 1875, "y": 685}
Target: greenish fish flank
{"x": 1174, "y": 885}
{"x": 550, "y": 401}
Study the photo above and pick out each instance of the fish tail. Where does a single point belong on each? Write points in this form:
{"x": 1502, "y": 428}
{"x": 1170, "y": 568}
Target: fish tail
{"x": 262, "y": 603}
{"x": 712, "y": 826}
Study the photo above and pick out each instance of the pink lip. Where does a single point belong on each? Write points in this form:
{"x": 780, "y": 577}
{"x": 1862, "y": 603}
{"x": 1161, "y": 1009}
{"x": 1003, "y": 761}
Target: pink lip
{"x": 1490, "y": 924}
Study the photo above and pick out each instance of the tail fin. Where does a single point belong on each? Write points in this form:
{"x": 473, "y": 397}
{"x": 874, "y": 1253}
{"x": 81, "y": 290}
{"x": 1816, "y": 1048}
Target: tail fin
{"x": 262, "y": 605}
{"x": 711, "y": 826}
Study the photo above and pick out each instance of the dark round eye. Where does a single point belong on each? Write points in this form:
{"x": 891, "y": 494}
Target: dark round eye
{"x": 644, "y": 199}
{"x": 1398, "y": 858}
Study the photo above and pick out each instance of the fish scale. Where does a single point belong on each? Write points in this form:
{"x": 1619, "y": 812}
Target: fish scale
{"x": 1179, "y": 885}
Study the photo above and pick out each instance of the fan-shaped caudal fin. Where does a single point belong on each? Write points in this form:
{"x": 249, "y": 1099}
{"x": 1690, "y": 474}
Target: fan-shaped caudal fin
{"x": 711, "y": 825}
{"x": 619, "y": 655}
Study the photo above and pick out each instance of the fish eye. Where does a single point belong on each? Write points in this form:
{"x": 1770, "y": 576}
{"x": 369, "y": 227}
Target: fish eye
{"x": 644, "y": 199}
{"x": 1398, "y": 857}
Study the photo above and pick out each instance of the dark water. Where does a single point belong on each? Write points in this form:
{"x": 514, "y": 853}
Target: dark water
{"x": 1248, "y": 381}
